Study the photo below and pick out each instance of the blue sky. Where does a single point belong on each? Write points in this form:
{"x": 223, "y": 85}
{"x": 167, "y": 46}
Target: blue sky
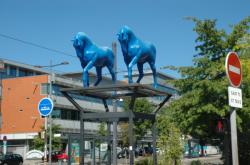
{"x": 53, "y": 23}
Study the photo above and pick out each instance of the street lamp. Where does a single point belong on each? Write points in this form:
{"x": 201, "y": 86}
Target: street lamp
{"x": 50, "y": 66}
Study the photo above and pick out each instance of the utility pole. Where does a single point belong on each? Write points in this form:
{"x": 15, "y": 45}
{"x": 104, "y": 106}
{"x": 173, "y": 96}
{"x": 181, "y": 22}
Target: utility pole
{"x": 50, "y": 119}
{"x": 115, "y": 108}
{"x": 45, "y": 140}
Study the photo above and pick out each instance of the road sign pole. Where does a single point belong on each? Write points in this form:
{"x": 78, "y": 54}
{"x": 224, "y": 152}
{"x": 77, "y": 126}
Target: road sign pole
{"x": 234, "y": 73}
{"x": 115, "y": 109}
{"x": 234, "y": 142}
{"x": 45, "y": 141}
{"x": 50, "y": 119}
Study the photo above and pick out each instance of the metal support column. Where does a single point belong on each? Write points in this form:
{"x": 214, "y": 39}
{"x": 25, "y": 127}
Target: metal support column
{"x": 69, "y": 149}
{"x": 115, "y": 108}
{"x": 131, "y": 138}
{"x": 82, "y": 142}
{"x": 234, "y": 142}
{"x": 130, "y": 129}
{"x": 154, "y": 132}
{"x": 94, "y": 152}
{"x": 109, "y": 131}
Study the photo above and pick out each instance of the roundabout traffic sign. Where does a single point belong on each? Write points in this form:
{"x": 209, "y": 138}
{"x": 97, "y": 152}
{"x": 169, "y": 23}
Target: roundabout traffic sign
{"x": 45, "y": 106}
{"x": 233, "y": 69}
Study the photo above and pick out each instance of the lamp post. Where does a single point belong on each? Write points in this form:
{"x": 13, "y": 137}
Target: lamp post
{"x": 50, "y": 118}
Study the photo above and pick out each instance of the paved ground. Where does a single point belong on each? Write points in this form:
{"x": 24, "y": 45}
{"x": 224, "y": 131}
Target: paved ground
{"x": 209, "y": 160}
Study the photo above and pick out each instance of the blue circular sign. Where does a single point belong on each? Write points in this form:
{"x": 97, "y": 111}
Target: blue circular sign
{"x": 45, "y": 106}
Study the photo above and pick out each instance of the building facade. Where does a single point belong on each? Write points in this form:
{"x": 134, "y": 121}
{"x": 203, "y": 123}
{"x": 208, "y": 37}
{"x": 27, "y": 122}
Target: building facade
{"x": 23, "y": 86}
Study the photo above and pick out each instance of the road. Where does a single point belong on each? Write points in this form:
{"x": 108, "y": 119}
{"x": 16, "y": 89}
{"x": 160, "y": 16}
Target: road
{"x": 208, "y": 160}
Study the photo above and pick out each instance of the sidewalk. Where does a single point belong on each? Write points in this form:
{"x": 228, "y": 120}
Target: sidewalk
{"x": 210, "y": 159}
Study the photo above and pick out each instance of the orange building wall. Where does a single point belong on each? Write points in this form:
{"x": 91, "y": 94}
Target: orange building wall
{"x": 20, "y": 98}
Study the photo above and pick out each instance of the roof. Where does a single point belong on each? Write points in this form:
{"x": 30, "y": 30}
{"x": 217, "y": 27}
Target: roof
{"x": 122, "y": 90}
{"x": 149, "y": 72}
{"x": 22, "y": 65}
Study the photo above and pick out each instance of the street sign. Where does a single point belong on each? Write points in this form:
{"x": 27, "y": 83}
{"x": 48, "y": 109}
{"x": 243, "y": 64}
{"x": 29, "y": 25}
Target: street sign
{"x": 235, "y": 97}
{"x": 233, "y": 69}
{"x": 45, "y": 106}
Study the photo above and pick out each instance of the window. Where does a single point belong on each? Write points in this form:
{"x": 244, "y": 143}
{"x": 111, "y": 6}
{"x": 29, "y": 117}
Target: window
{"x": 24, "y": 72}
{"x": 56, "y": 113}
{"x": 13, "y": 71}
{"x": 44, "y": 89}
{"x": 65, "y": 114}
{"x": 3, "y": 74}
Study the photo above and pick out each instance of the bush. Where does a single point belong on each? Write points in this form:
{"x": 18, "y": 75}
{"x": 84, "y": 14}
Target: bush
{"x": 196, "y": 162}
{"x": 144, "y": 161}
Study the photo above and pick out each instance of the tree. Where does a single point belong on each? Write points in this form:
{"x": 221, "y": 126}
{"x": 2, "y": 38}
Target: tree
{"x": 244, "y": 113}
{"x": 203, "y": 86}
{"x": 169, "y": 141}
{"x": 38, "y": 141}
{"x": 141, "y": 127}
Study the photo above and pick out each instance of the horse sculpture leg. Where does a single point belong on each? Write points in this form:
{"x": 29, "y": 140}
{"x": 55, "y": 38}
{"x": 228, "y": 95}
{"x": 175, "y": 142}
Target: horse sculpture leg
{"x": 99, "y": 75}
{"x": 85, "y": 79}
{"x": 111, "y": 70}
{"x": 130, "y": 66}
{"x": 86, "y": 75}
{"x": 140, "y": 70}
{"x": 153, "y": 68}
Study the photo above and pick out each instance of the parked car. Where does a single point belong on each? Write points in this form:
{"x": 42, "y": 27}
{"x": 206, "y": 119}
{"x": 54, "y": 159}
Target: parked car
{"x": 124, "y": 153}
{"x": 11, "y": 159}
{"x": 57, "y": 155}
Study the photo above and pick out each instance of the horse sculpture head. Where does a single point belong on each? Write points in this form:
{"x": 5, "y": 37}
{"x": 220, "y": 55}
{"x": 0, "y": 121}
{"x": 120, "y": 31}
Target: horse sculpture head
{"x": 125, "y": 34}
{"x": 80, "y": 40}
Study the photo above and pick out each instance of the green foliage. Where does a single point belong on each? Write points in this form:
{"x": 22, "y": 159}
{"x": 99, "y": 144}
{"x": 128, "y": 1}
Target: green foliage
{"x": 38, "y": 142}
{"x": 144, "y": 106}
{"x": 102, "y": 131}
{"x": 169, "y": 141}
{"x": 144, "y": 161}
{"x": 124, "y": 134}
{"x": 203, "y": 86}
{"x": 196, "y": 162}
{"x": 244, "y": 113}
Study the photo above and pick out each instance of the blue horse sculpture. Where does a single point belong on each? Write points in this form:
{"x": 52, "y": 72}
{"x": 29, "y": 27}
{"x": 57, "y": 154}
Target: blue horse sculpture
{"x": 137, "y": 52}
{"x": 91, "y": 55}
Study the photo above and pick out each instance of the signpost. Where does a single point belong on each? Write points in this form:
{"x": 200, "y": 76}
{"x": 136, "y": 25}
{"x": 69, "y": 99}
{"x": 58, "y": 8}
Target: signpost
{"x": 45, "y": 108}
{"x": 234, "y": 74}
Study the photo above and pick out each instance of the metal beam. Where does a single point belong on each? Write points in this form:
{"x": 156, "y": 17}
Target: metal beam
{"x": 143, "y": 116}
{"x": 154, "y": 132}
{"x": 106, "y": 116}
{"x": 161, "y": 104}
{"x": 78, "y": 107}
